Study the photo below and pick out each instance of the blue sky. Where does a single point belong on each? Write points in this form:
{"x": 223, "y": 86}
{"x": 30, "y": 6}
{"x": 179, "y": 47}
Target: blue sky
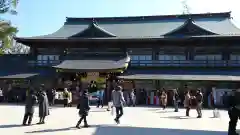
{"x": 40, "y": 17}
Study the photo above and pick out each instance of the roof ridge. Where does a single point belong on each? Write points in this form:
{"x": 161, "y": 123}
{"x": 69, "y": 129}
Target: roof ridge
{"x": 151, "y": 17}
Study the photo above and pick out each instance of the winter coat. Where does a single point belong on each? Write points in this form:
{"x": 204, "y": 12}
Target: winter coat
{"x": 83, "y": 105}
{"x": 43, "y": 104}
{"x": 187, "y": 100}
{"x": 117, "y": 98}
{"x": 164, "y": 99}
{"x": 30, "y": 102}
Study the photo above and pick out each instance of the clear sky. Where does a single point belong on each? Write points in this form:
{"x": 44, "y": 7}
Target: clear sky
{"x": 40, "y": 17}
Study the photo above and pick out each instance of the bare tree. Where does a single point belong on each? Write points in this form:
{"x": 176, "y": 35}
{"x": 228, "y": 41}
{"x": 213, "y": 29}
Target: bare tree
{"x": 186, "y": 8}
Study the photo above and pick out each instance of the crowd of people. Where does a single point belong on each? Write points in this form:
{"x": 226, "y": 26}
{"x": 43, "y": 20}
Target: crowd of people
{"x": 193, "y": 99}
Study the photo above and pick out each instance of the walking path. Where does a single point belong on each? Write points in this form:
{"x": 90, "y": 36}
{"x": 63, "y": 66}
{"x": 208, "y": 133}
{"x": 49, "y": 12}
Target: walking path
{"x": 136, "y": 121}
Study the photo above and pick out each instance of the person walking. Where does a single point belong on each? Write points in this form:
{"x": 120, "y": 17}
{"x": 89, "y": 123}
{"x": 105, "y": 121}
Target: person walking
{"x": 84, "y": 108}
{"x": 199, "y": 100}
{"x": 233, "y": 111}
{"x": 31, "y": 100}
{"x": 164, "y": 99}
{"x": 100, "y": 98}
{"x": 118, "y": 102}
{"x": 187, "y": 103}
{"x": 43, "y": 106}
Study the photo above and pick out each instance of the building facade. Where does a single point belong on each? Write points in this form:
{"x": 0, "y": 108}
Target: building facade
{"x": 133, "y": 47}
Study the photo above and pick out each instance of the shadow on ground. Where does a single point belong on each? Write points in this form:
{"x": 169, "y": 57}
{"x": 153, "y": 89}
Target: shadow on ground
{"x": 178, "y": 117}
{"x": 58, "y": 129}
{"x": 119, "y": 130}
{"x": 98, "y": 110}
{"x": 10, "y": 126}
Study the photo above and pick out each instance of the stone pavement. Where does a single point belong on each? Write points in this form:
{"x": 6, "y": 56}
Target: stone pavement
{"x": 136, "y": 121}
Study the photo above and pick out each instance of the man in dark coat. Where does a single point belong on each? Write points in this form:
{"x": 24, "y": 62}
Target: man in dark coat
{"x": 199, "y": 100}
{"x": 233, "y": 111}
{"x": 43, "y": 106}
{"x": 29, "y": 107}
{"x": 175, "y": 100}
{"x": 84, "y": 108}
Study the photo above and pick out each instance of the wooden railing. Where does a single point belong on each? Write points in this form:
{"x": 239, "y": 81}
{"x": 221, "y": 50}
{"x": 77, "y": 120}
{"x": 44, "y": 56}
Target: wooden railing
{"x": 44, "y": 62}
{"x": 186, "y": 63}
{"x": 157, "y": 63}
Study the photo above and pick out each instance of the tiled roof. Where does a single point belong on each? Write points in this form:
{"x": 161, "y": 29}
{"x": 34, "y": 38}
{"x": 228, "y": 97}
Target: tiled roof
{"x": 142, "y": 27}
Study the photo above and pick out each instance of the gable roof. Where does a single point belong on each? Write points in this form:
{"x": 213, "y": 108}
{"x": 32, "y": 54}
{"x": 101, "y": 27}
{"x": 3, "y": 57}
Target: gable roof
{"x": 189, "y": 28}
{"x": 93, "y": 30}
{"x": 142, "y": 26}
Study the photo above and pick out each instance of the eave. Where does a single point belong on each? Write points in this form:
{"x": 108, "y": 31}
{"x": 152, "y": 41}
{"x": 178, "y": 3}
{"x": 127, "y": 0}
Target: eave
{"x": 26, "y": 40}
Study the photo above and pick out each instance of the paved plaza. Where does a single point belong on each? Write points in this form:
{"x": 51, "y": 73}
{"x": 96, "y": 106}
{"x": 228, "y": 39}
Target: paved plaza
{"x": 136, "y": 121}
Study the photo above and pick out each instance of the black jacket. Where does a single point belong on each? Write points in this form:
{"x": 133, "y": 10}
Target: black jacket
{"x": 232, "y": 101}
{"x": 83, "y": 105}
{"x": 30, "y": 102}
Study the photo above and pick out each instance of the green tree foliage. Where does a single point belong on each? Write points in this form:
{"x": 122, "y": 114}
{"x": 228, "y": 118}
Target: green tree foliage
{"x": 7, "y": 31}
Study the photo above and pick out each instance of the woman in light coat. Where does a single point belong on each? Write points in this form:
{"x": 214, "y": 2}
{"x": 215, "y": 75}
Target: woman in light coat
{"x": 187, "y": 102}
{"x": 164, "y": 99}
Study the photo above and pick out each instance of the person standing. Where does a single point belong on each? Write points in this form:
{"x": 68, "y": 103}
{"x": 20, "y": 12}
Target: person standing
{"x": 118, "y": 102}
{"x": 133, "y": 98}
{"x": 199, "y": 100}
{"x": 43, "y": 106}
{"x": 29, "y": 107}
{"x": 187, "y": 103}
{"x": 84, "y": 108}
{"x": 69, "y": 99}
{"x": 233, "y": 111}
{"x": 100, "y": 97}
{"x": 66, "y": 97}
{"x": 175, "y": 100}
{"x": 54, "y": 92}
{"x": 164, "y": 99}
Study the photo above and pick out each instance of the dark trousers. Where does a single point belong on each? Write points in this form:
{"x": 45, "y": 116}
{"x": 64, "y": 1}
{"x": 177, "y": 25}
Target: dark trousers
{"x": 164, "y": 107}
{"x": 65, "y": 103}
{"x": 1, "y": 98}
{"x": 199, "y": 109}
{"x": 27, "y": 117}
{"x": 119, "y": 112}
{"x": 187, "y": 111}
{"x": 175, "y": 103}
{"x": 100, "y": 102}
{"x": 84, "y": 118}
{"x": 234, "y": 115}
{"x": 42, "y": 119}
{"x": 53, "y": 101}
